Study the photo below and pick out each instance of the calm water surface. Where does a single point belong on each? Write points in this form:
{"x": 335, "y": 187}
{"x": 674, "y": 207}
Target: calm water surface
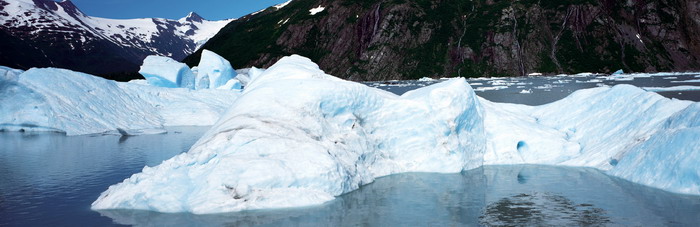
{"x": 48, "y": 179}
{"x": 51, "y": 180}
{"x": 542, "y": 90}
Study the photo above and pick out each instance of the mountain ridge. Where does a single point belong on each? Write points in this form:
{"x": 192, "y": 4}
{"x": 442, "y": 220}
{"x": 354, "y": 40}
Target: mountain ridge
{"x": 46, "y": 33}
{"x": 409, "y": 39}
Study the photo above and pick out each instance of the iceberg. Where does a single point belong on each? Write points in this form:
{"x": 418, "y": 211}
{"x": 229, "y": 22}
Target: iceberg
{"x": 165, "y": 72}
{"x": 589, "y": 128}
{"x": 669, "y": 158}
{"x": 297, "y": 137}
{"x": 75, "y": 103}
{"x": 213, "y": 71}
{"x": 285, "y": 148}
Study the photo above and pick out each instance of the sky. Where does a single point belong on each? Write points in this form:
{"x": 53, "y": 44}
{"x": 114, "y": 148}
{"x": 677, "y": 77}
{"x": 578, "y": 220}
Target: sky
{"x": 172, "y": 9}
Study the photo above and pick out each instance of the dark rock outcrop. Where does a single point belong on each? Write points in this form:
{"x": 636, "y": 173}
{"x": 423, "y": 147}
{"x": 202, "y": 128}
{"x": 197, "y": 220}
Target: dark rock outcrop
{"x": 403, "y": 39}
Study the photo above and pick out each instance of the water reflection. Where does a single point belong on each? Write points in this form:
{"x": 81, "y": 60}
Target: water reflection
{"x": 542, "y": 209}
{"x": 493, "y": 195}
{"x": 49, "y": 179}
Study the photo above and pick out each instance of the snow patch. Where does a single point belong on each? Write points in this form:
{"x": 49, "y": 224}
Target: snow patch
{"x": 316, "y": 10}
{"x": 282, "y": 5}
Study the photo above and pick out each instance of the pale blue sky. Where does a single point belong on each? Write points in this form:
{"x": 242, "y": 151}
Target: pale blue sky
{"x": 172, "y": 9}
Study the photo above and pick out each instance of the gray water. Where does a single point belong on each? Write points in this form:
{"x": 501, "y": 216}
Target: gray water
{"x": 492, "y": 195}
{"x": 48, "y": 179}
{"x": 545, "y": 89}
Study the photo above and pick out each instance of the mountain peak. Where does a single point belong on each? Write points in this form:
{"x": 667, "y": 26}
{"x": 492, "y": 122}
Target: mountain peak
{"x": 193, "y": 17}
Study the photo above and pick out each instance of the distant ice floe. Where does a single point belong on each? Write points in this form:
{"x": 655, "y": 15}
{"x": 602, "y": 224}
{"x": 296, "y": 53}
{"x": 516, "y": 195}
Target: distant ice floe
{"x": 674, "y": 88}
{"x": 297, "y": 137}
{"x": 686, "y": 81}
{"x": 213, "y": 72}
{"x": 165, "y": 72}
{"x": 494, "y": 88}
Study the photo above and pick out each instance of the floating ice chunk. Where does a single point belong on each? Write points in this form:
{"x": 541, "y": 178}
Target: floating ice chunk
{"x": 165, "y": 72}
{"x": 77, "y": 103}
{"x": 618, "y": 72}
{"x": 426, "y": 79}
{"x": 494, "y": 88}
{"x": 528, "y": 91}
{"x": 71, "y": 102}
{"x": 213, "y": 71}
{"x": 534, "y": 74}
{"x": 674, "y": 88}
{"x": 298, "y": 137}
{"x": 686, "y": 81}
{"x": 583, "y": 74}
{"x": 282, "y": 147}
{"x": 630, "y": 78}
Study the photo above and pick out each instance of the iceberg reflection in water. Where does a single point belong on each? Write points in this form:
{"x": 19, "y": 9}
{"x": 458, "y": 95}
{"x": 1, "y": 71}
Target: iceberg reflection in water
{"x": 493, "y": 195}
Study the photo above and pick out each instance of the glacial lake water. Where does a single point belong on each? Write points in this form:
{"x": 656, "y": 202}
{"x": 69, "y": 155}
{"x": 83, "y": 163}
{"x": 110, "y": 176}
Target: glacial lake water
{"x": 546, "y": 89}
{"x": 48, "y": 179}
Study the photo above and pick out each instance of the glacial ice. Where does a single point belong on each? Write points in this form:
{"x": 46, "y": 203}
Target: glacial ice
{"x": 279, "y": 147}
{"x": 76, "y": 103}
{"x": 670, "y": 158}
{"x": 213, "y": 71}
{"x": 165, "y": 72}
{"x": 9, "y": 74}
{"x": 296, "y": 136}
{"x": 231, "y": 85}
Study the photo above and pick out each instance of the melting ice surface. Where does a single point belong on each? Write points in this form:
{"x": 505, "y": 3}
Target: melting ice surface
{"x": 278, "y": 147}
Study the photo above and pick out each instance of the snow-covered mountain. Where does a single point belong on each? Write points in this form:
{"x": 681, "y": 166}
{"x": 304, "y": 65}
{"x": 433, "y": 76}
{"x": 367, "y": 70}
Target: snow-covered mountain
{"x": 46, "y": 33}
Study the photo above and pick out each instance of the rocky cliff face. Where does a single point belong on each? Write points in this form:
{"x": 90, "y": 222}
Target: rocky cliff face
{"x": 46, "y": 33}
{"x": 403, "y": 39}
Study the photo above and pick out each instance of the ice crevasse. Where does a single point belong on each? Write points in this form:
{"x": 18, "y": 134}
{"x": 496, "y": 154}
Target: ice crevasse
{"x": 280, "y": 147}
